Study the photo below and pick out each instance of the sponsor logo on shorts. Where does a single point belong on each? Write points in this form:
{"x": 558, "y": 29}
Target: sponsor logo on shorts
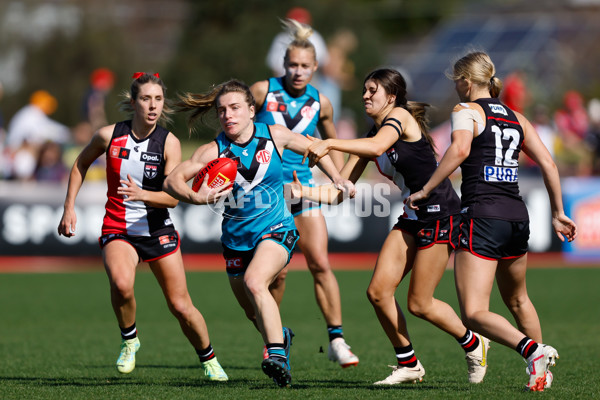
{"x": 433, "y": 208}
{"x": 425, "y": 233}
{"x": 233, "y": 263}
{"x": 500, "y": 174}
{"x": 165, "y": 239}
{"x": 276, "y": 226}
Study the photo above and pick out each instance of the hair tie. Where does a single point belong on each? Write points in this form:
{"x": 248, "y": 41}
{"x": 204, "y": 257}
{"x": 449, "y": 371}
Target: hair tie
{"x": 492, "y": 79}
{"x": 136, "y": 75}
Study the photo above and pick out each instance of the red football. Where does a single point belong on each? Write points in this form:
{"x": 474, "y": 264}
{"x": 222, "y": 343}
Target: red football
{"x": 221, "y": 171}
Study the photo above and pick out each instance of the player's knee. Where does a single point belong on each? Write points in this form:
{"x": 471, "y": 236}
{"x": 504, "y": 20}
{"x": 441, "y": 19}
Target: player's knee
{"x": 417, "y": 307}
{"x": 181, "y": 307}
{"x": 319, "y": 265}
{"x": 471, "y": 319}
{"x": 374, "y": 295}
{"x": 254, "y": 286}
{"x": 122, "y": 288}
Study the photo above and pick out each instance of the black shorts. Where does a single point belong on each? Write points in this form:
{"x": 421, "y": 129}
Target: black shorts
{"x": 494, "y": 239}
{"x": 427, "y": 233}
{"x": 148, "y": 248}
{"x": 237, "y": 261}
{"x": 298, "y": 206}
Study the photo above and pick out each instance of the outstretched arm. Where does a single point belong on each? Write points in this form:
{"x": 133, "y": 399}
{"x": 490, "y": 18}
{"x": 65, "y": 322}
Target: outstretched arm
{"x": 284, "y": 138}
{"x": 329, "y": 193}
{"x": 94, "y": 149}
{"x": 535, "y": 149}
{"x": 369, "y": 148}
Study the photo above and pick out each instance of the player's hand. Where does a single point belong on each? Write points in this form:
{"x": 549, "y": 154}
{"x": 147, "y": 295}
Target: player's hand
{"x": 67, "y": 224}
{"x": 563, "y": 225}
{"x": 415, "y": 197}
{"x": 293, "y": 190}
{"x": 346, "y": 187}
{"x": 317, "y": 150}
{"x": 207, "y": 195}
{"x": 130, "y": 191}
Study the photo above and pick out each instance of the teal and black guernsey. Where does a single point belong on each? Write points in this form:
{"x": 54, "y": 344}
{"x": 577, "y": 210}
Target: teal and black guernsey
{"x": 256, "y": 206}
{"x": 298, "y": 114}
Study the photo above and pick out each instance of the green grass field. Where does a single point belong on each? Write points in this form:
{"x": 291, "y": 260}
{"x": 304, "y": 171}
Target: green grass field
{"x": 59, "y": 340}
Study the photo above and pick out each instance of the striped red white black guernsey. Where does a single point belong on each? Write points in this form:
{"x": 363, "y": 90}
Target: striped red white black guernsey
{"x": 144, "y": 161}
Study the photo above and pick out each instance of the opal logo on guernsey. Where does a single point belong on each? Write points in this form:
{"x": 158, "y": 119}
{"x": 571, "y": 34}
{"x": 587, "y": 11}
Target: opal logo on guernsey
{"x": 151, "y": 157}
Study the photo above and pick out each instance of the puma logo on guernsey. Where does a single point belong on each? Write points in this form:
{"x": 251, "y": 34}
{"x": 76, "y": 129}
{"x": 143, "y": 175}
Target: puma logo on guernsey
{"x": 498, "y": 109}
{"x": 151, "y": 157}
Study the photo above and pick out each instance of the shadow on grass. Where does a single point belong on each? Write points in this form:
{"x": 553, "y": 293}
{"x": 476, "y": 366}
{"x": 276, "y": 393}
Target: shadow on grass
{"x": 245, "y": 383}
{"x": 139, "y": 366}
{"x": 105, "y": 381}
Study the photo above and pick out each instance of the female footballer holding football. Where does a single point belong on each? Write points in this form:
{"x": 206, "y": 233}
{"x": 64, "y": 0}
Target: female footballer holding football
{"x": 420, "y": 241}
{"x": 258, "y": 231}
{"x": 487, "y": 138}
{"x": 291, "y": 101}
{"x": 137, "y": 227}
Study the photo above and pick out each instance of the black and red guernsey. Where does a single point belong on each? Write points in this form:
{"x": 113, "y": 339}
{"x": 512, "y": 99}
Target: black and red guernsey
{"x": 490, "y": 174}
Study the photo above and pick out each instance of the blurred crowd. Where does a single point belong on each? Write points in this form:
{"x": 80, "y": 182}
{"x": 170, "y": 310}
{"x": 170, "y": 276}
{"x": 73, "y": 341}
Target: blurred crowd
{"x": 571, "y": 132}
{"x": 35, "y": 147}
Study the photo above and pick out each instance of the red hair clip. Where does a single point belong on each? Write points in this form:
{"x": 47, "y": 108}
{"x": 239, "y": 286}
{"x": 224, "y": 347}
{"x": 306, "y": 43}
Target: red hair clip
{"x": 136, "y": 75}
